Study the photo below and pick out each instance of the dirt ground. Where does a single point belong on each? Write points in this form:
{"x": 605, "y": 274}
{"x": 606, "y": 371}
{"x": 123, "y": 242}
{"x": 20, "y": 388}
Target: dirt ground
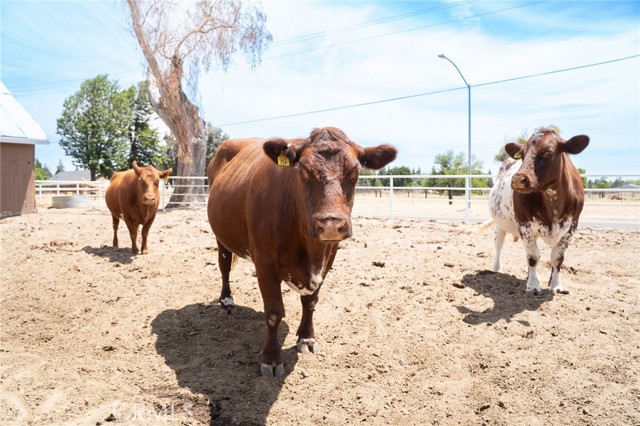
{"x": 413, "y": 330}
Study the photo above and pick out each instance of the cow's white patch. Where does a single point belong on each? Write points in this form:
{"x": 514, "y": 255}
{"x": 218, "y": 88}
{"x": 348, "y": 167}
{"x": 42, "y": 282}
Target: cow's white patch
{"x": 227, "y": 301}
{"x": 314, "y": 284}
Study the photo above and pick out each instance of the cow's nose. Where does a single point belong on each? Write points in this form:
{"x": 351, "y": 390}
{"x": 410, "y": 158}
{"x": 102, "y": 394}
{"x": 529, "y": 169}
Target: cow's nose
{"x": 333, "y": 227}
{"x": 150, "y": 198}
{"x": 519, "y": 180}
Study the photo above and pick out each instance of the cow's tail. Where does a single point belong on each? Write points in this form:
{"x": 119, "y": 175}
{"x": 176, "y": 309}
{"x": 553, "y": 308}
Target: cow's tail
{"x": 483, "y": 227}
{"x": 234, "y": 260}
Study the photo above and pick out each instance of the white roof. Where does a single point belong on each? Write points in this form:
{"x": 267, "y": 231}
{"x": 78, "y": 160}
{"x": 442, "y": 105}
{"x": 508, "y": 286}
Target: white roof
{"x": 16, "y": 124}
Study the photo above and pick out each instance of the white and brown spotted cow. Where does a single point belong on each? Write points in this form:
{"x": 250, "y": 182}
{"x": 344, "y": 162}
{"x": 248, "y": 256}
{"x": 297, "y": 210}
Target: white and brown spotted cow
{"x": 539, "y": 194}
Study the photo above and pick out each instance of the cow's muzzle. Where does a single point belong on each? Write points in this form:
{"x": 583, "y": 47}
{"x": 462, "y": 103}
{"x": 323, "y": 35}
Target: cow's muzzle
{"x": 521, "y": 183}
{"x": 149, "y": 200}
{"x": 332, "y": 227}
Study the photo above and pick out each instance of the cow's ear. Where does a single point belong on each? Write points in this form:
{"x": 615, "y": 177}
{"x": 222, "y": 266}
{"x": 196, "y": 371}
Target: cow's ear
{"x": 575, "y": 145}
{"x": 165, "y": 174}
{"x": 376, "y": 157}
{"x": 281, "y": 152}
{"x": 514, "y": 150}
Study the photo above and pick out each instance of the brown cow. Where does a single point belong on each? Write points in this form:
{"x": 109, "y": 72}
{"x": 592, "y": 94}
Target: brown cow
{"x": 133, "y": 195}
{"x": 286, "y": 205}
{"x": 539, "y": 195}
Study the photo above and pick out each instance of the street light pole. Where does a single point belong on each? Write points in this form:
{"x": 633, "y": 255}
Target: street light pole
{"x": 467, "y": 190}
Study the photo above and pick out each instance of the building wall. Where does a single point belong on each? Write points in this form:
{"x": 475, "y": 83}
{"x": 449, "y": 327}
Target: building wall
{"x": 17, "y": 179}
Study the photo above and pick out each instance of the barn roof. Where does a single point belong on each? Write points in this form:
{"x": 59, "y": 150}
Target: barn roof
{"x": 16, "y": 124}
{"x": 73, "y": 175}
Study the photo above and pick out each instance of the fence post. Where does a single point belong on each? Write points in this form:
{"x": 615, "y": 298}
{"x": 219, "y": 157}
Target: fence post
{"x": 164, "y": 188}
{"x": 467, "y": 191}
{"x": 391, "y": 197}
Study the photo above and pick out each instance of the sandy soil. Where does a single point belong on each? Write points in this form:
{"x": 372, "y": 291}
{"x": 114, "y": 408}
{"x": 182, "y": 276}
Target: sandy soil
{"x": 413, "y": 330}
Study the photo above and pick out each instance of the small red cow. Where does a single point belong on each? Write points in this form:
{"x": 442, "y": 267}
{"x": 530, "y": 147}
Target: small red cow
{"x": 285, "y": 204}
{"x": 133, "y": 195}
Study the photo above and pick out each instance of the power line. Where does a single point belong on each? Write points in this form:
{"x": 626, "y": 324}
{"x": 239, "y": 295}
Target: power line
{"x": 506, "y": 80}
{"x": 354, "y": 27}
{"x": 399, "y": 98}
{"x": 421, "y": 27}
{"x": 51, "y": 88}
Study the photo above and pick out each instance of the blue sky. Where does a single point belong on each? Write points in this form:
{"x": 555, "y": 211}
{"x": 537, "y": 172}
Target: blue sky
{"x": 364, "y": 53}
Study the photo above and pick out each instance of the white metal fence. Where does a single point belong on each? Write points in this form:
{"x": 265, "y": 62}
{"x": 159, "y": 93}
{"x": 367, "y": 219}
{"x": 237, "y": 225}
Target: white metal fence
{"x": 613, "y": 207}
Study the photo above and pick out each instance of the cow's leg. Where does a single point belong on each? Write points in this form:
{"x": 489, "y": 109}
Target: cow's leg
{"x": 306, "y": 337}
{"x": 133, "y": 233}
{"x": 269, "y": 283}
{"x": 225, "y": 260}
{"x": 498, "y": 241}
{"x": 116, "y": 223}
{"x": 557, "y": 257}
{"x": 145, "y": 233}
{"x": 533, "y": 257}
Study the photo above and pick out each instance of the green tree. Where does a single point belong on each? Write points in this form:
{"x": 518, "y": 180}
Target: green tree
{"x": 456, "y": 164}
{"x": 145, "y": 145}
{"x": 369, "y": 182}
{"x": 584, "y": 179}
{"x": 398, "y": 182}
{"x": 41, "y": 171}
{"x": 215, "y": 137}
{"x": 60, "y": 167}
{"x": 93, "y": 126}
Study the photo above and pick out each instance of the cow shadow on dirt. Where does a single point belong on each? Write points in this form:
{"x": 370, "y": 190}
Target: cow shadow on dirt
{"x": 508, "y": 295}
{"x": 114, "y": 254}
{"x": 217, "y": 355}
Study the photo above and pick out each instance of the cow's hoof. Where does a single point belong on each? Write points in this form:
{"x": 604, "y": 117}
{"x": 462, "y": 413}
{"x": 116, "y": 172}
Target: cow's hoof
{"x": 227, "y": 302}
{"x": 533, "y": 290}
{"x": 306, "y": 346}
{"x": 269, "y": 370}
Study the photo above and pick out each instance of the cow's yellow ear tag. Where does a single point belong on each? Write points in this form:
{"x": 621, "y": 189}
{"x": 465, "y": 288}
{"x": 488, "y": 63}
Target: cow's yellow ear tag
{"x": 283, "y": 160}
{"x": 166, "y": 179}
{"x": 517, "y": 156}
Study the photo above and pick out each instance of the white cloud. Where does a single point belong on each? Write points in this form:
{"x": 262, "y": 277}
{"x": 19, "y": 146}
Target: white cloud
{"x": 406, "y": 64}
{"x": 602, "y": 101}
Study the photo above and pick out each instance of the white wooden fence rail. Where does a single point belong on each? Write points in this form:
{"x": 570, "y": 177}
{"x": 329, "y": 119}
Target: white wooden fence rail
{"x": 602, "y": 206}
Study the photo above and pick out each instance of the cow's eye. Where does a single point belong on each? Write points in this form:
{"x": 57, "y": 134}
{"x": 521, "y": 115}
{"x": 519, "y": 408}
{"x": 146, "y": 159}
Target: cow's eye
{"x": 157, "y": 183}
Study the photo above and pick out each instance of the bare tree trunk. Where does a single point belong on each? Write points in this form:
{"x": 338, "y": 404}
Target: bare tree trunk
{"x": 180, "y": 115}
{"x": 191, "y": 192}
{"x": 211, "y": 32}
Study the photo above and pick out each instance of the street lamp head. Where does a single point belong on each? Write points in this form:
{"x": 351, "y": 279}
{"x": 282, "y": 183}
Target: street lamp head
{"x": 442, "y": 56}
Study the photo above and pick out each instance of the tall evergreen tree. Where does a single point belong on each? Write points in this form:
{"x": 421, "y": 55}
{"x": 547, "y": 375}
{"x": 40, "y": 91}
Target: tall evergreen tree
{"x": 145, "y": 144}
{"x": 60, "y": 167}
{"x": 41, "y": 171}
